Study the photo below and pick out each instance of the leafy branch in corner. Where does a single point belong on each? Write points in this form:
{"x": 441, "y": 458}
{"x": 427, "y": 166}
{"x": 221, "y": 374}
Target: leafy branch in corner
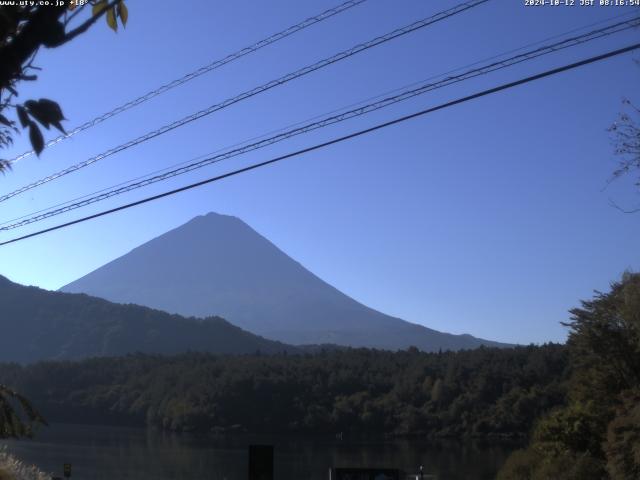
{"x": 24, "y": 30}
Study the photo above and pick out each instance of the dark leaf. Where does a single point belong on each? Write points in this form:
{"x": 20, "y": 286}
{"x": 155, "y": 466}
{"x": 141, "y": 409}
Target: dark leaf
{"x": 4, "y": 121}
{"x": 35, "y": 135}
{"x": 47, "y": 112}
{"x": 111, "y": 19}
{"x": 98, "y": 7}
{"x": 59, "y": 126}
{"x": 53, "y": 108}
{"x": 23, "y": 116}
{"x": 123, "y": 13}
{"x": 54, "y": 113}
{"x": 36, "y": 112}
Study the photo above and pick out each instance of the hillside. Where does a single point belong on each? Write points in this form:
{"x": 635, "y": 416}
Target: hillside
{"x": 44, "y": 325}
{"x": 218, "y": 265}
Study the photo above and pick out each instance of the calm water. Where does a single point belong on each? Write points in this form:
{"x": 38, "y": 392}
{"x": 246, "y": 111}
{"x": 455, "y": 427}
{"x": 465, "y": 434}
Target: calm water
{"x": 115, "y": 453}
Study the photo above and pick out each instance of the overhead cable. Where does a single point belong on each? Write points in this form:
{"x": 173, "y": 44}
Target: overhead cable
{"x": 198, "y": 72}
{"x": 250, "y": 93}
{"x": 333, "y": 119}
{"x": 334, "y": 141}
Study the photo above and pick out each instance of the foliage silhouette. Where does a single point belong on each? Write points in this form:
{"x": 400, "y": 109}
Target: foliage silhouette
{"x": 24, "y": 29}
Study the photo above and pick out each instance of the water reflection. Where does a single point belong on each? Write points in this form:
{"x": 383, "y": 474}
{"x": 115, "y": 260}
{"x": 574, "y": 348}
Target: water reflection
{"x": 101, "y": 453}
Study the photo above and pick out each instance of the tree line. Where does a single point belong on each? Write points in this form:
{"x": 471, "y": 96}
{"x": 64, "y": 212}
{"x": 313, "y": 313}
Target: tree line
{"x": 481, "y": 392}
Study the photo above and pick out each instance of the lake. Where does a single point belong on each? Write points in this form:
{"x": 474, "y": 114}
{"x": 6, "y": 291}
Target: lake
{"x": 117, "y": 453}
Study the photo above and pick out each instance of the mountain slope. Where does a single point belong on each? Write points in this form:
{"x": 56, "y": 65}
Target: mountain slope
{"x": 217, "y": 264}
{"x": 42, "y": 325}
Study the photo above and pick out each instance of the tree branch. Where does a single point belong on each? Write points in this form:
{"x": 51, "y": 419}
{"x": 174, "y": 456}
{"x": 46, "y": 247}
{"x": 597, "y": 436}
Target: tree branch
{"x": 87, "y": 24}
{"x": 74, "y": 14}
{"x": 618, "y": 207}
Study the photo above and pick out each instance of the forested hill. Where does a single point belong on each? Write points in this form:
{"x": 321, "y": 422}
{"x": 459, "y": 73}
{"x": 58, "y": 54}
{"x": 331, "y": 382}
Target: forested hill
{"x": 477, "y": 392}
{"x": 40, "y": 325}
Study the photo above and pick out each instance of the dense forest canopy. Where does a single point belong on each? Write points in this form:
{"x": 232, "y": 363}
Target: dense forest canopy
{"x": 478, "y": 392}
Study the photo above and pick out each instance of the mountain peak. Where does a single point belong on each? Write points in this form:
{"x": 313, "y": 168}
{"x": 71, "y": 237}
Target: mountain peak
{"x": 212, "y": 219}
{"x": 214, "y": 216}
{"x": 218, "y": 265}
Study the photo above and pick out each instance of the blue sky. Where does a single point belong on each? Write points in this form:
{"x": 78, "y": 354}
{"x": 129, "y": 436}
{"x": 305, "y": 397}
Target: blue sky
{"x": 489, "y": 218}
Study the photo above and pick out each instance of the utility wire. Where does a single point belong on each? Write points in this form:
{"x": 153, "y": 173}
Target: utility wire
{"x": 255, "y": 91}
{"x": 362, "y": 110}
{"x": 315, "y": 117}
{"x": 201, "y": 71}
{"x": 350, "y": 136}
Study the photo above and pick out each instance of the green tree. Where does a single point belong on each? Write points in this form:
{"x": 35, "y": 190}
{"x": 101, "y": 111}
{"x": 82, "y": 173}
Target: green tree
{"x": 622, "y": 446}
{"x": 597, "y": 434}
{"x": 605, "y": 339}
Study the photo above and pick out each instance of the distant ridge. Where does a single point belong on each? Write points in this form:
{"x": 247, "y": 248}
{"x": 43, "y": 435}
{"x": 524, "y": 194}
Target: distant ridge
{"x": 218, "y": 265}
{"x": 44, "y": 325}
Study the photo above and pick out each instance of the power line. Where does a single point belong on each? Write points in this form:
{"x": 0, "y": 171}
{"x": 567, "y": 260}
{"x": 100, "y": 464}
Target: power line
{"x": 282, "y": 129}
{"x": 255, "y": 91}
{"x": 319, "y": 146}
{"x": 330, "y": 120}
{"x": 354, "y": 104}
{"x": 201, "y": 71}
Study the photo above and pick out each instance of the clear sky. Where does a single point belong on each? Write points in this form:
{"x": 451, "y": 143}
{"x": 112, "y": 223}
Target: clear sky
{"x": 489, "y": 218}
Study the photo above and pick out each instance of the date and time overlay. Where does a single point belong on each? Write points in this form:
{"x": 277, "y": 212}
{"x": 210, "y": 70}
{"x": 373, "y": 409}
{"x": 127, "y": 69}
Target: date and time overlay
{"x": 581, "y": 3}
{"x": 527, "y": 3}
